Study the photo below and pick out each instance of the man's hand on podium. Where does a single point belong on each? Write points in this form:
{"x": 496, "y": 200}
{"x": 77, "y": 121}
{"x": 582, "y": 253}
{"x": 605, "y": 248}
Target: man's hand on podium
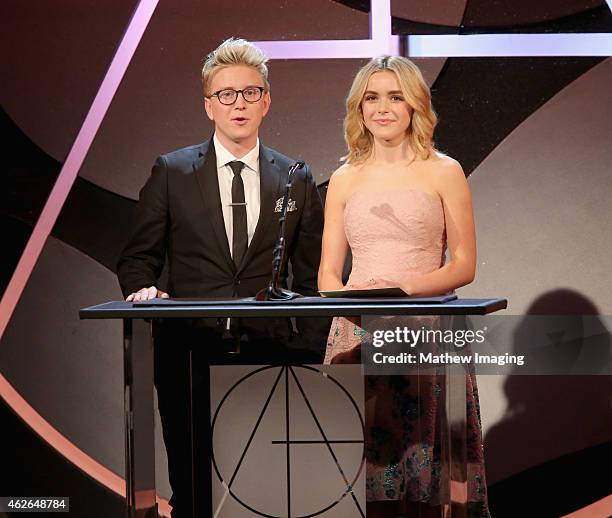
{"x": 147, "y": 294}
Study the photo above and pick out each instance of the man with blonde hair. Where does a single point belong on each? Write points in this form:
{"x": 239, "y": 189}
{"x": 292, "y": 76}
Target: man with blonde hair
{"x": 212, "y": 210}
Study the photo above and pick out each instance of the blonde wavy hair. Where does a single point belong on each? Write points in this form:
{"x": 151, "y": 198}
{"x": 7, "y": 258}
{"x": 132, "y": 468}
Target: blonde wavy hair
{"x": 358, "y": 138}
{"x": 234, "y": 51}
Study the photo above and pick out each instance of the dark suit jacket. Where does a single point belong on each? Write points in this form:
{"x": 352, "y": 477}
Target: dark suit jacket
{"x": 179, "y": 217}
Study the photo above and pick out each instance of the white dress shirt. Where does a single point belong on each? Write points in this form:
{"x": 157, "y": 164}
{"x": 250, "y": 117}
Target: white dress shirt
{"x": 250, "y": 178}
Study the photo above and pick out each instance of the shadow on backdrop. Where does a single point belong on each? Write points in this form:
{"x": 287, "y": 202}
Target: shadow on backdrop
{"x": 553, "y": 436}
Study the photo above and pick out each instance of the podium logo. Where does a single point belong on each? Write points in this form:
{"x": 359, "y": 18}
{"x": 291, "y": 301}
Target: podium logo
{"x": 288, "y": 442}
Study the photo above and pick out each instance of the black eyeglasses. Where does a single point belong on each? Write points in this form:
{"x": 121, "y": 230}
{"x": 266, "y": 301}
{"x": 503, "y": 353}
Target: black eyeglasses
{"x": 250, "y": 94}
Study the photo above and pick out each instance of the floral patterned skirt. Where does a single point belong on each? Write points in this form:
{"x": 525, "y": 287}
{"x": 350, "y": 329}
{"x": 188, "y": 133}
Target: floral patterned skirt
{"x": 403, "y": 430}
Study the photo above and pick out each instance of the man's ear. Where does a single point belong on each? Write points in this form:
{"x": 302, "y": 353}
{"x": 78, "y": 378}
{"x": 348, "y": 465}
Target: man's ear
{"x": 208, "y": 108}
{"x": 267, "y": 100}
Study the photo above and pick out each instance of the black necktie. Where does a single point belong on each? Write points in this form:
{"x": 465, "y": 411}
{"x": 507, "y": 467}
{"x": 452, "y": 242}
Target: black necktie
{"x": 240, "y": 240}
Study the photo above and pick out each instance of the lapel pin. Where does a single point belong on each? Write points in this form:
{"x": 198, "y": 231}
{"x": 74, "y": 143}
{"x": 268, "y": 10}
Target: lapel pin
{"x": 291, "y": 206}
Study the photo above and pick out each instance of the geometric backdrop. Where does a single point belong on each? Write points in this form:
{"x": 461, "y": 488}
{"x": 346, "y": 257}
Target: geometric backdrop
{"x": 532, "y": 133}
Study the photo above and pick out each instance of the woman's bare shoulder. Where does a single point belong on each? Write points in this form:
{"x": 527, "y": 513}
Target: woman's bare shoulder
{"x": 446, "y": 174}
{"x": 444, "y": 166}
{"x": 342, "y": 177}
{"x": 440, "y": 159}
{"x": 344, "y": 171}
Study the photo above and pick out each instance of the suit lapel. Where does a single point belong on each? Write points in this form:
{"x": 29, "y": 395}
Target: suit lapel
{"x": 205, "y": 168}
{"x": 269, "y": 185}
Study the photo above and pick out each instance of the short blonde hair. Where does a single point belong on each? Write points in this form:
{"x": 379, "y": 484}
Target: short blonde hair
{"x": 234, "y": 51}
{"x": 358, "y": 138}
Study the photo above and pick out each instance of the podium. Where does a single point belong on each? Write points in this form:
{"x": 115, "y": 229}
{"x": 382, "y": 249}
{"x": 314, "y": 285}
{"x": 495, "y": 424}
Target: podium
{"x": 139, "y": 357}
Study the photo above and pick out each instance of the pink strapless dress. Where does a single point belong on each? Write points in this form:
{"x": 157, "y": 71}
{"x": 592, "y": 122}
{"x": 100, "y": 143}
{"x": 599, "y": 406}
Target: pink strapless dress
{"x": 392, "y": 235}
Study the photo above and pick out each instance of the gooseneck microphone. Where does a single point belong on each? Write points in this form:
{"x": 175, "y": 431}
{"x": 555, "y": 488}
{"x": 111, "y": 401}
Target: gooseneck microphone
{"x": 275, "y": 291}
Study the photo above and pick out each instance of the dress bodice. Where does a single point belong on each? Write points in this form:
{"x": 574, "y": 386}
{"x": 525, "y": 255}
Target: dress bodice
{"x": 393, "y": 234}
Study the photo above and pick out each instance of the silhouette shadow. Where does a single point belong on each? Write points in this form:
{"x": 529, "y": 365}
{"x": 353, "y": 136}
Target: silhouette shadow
{"x": 547, "y": 457}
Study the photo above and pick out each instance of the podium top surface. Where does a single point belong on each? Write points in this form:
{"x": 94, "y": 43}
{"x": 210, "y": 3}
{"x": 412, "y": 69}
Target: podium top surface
{"x": 302, "y": 307}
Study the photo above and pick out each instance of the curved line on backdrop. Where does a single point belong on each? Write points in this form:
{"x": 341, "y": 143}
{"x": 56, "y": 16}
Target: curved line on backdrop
{"x": 598, "y": 509}
{"x": 65, "y": 447}
{"x": 80, "y": 147}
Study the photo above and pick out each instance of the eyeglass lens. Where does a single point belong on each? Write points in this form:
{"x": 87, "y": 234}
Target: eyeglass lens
{"x": 251, "y": 95}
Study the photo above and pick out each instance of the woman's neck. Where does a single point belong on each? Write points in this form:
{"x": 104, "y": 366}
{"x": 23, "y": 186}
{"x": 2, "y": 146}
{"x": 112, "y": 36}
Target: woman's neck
{"x": 387, "y": 152}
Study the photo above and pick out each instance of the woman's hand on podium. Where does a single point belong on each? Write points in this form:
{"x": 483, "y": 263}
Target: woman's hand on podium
{"x": 380, "y": 282}
{"x": 147, "y": 294}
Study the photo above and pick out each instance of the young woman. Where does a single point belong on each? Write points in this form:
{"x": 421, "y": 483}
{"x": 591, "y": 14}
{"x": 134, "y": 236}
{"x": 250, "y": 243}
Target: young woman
{"x": 399, "y": 204}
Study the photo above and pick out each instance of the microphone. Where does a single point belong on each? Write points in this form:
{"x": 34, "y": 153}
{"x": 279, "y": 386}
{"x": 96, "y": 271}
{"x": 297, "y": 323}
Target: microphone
{"x": 275, "y": 291}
